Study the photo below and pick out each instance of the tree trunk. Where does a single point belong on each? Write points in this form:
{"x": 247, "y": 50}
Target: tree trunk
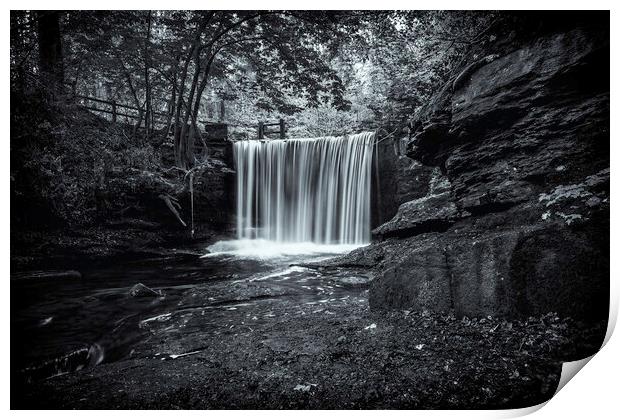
{"x": 50, "y": 50}
{"x": 185, "y": 138}
{"x": 135, "y": 99}
{"x": 138, "y": 122}
{"x": 148, "y": 117}
{"x": 191, "y": 114}
{"x": 179, "y": 130}
{"x": 173, "y": 96}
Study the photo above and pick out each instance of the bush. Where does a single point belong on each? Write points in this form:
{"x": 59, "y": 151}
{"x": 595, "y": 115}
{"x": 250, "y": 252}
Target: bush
{"x": 64, "y": 161}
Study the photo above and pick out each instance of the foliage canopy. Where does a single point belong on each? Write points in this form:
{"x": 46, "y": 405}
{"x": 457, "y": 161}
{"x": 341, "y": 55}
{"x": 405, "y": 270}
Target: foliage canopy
{"x": 327, "y": 72}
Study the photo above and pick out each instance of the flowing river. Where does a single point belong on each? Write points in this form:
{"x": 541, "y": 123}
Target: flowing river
{"x": 60, "y": 325}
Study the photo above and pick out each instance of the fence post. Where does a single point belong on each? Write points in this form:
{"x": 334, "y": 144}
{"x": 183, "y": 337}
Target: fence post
{"x": 282, "y": 128}
{"x": 261, "y": 130}
{"x": 114, "y": 111}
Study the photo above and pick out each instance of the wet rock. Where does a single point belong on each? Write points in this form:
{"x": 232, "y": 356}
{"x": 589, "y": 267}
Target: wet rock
{"x": 560, "y": 270}
{"x": 479, "y": 271}
{"x": 513, "y": 273}
{"x": 420, "y": 280}
{"x": 364, "y": 257}
{"x": 352, "y": 281}
{"x": 48, "y": 275}
{"x": 430, "y": 213}
{"x": 231, "y": 294}
{"x": 70, "y": 362}
{"x": 398, "y": 179}
{"x": 140, "y": 290}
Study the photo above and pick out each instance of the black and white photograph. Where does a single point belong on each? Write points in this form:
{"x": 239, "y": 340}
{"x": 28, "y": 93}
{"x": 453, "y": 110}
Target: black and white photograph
{"x": 306, "y": 209}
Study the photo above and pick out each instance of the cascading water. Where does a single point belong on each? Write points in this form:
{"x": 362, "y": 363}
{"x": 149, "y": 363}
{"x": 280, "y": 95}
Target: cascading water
{"x": 304, "y": 191}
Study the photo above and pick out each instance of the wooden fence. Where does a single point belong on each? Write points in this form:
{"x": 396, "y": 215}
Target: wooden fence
{"x": 263, "y": 129}
{"x": 128, "y": 111}
{"x": 116, "y": 109}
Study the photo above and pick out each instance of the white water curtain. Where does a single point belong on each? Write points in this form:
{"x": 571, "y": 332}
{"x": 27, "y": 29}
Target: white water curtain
{"x": 305, "y": 190}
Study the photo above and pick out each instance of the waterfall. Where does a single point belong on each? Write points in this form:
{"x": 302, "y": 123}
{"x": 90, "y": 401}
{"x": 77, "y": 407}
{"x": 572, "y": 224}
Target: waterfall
{"x": 305, "y": 190}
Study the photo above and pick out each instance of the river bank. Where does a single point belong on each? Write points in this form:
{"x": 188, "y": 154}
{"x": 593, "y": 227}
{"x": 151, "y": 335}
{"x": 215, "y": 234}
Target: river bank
{"x": 49, "y": 249}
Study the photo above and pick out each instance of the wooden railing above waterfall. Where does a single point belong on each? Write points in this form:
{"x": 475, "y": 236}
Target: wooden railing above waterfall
{"x": 263, "y": 129}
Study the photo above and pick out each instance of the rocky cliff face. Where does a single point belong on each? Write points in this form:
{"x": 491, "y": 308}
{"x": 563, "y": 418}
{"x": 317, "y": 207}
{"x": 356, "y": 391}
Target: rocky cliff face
{"x": 511, "y": 165}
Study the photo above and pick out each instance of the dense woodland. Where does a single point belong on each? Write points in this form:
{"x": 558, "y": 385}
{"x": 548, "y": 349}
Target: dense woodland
{"x": 323, "y": 70}
{"x": 165, "y": 74}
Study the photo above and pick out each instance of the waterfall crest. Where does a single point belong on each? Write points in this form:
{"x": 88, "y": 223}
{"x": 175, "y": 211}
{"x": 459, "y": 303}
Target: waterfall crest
{"x": 305, "y": 190}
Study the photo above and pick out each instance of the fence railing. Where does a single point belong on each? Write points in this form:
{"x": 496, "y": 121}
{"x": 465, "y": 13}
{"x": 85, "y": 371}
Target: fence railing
{"x": 116, "y": 109}
{"x": 263, "y": 129}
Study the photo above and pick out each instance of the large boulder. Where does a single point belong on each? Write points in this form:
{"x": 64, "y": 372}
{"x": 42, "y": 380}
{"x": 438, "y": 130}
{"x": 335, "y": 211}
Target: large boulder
{"x": 560, "y": 270}
{"x": 479, "y": 269}
{"x": 513, "y": 273}
{"x": 421, "y": 281}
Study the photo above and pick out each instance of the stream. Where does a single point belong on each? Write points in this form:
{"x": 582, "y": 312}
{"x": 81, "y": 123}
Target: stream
{"x": 64, "y": 324}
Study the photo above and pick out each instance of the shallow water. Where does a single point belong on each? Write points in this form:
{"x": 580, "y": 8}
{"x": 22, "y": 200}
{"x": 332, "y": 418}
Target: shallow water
{"x": 262, "y": 249}
{"x": 63, "y": 325}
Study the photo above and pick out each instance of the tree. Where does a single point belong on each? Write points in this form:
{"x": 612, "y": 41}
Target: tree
{"x": 284, "y": 51}
{"x": 148, "y": 118}
{"x": 50, "y": 49}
